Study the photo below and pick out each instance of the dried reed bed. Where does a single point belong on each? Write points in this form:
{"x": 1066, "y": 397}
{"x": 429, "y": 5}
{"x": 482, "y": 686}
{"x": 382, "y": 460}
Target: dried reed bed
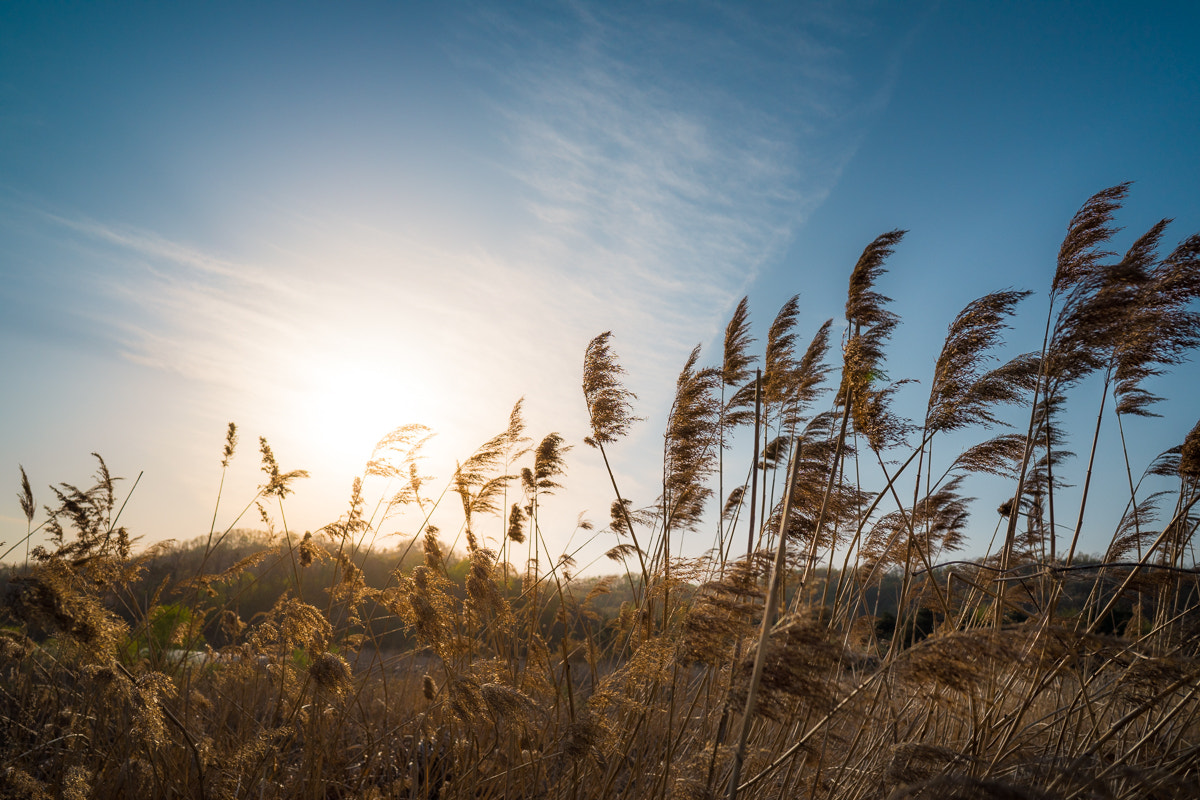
{"x": 758, "y": 672}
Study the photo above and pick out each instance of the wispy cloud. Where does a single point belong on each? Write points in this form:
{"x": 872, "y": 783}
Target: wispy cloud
{"x": 658, "y": 170}
{"x": 656, "y": 189}
{"x": 662, "y": 195}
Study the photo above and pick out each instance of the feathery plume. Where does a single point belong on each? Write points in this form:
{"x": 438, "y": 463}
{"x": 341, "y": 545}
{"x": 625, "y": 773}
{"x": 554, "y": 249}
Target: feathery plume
{"x": 309, "y": 551}
{"x": 396, "y": 453}
{"x": 736, "y": 365}
{"x": 1132, "y": 534}
{"x": 1001, "y": 455}
{"x": 865, "y": 306}
{"x": 691, "y": 442}
{"x": 1156, "y": 327}
{"x": 516, "y": 524}
{"x": 278, "y": 483}
{"x": 1189, "y": 455}
{"x": 739, "y": 409}
{"x": 871, "y": 325}
{"x": 608, "y": 401}
{"x": 775, "y": 451}
{"x": 779, "y": 365}
{"x": 330, "y": 673}
{"x": 1089, "y": 229}
{"x": 434, "y": 560}
{"x": 812, "y": 369}
{"x": 621, "y": 515}
{"x": 548, "y": 464}
{"x": 1094, "y": 303}
{"x": 816, "y": 452}
{"x": 515, "y": 434}
{"x": 25, "y": 497}
{"x": 479, "y": 489}
{"x": 621, "y": 551}
{"x": 939, "y": 521}
{"x": 231, "y": 440}
{"x": 961, "y": 394}
{"x": 733, "y": 501}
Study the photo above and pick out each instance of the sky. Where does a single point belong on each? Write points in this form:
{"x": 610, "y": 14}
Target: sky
{"x": 324, "y": 221}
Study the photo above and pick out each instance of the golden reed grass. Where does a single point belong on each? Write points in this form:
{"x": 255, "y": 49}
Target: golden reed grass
{"x": 841, "y": 655}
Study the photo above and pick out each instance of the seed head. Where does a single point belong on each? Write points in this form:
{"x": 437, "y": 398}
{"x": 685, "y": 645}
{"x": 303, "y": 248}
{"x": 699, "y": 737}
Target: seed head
{"x": 330, "y": 673}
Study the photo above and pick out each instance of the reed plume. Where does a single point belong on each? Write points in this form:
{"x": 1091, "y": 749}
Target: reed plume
{"x": 395, "y": 455}
{"x": 1189, "y": 455}
{"x": 279, "y": 484}
{"x": 1000, "y": 455}
{"x": 1132, "y": 533}
{"x": 939, "y": 521}
{"x": 548, "y": 464}
{"x": 25, "y": 497}
{"x": 28, "y": 508}
{"x": 739, "y": 408}
{"x": 1157, "y": 329}
{"x": 808, "y": 378}
{"x": 1081, "y": 253}
{"x": 774, "y": 452}
{"x": 779, "y": 363}
{"x": 610, "y": 411}
{"x": 736, "y": 366}
{"x": 1092, "y": 310}
{"x": 961, "y": 393}
{"x": 516, "y": 524}
{"x": 738, "y": 362}
{"x": 1139, "y": 311}
{"x": 1072, "y": 349}
{"x": 690, "y": 445}
{"x": 871, "y": 325}
{"x": 820, "y": 502}
{"x": 479, "y": 488}
{"x": 231, "y": 442}
{"x": 734, "y": 501}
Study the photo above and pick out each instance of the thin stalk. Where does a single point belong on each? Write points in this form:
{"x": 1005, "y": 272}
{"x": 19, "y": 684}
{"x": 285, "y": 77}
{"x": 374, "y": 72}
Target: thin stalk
{"x": 1052, "y": 606}
{"x": 628, "y": 521}
{"x": 803, "y": 740}
{"x": 862, "y": 525}
{"x": 1011, "y": 532}
{"x": 833, "y": 473}
{"x": 666, "y": 553}
{"x": 754, "y": 459}
{"x": 912, "y": 538}
{"x": 1132, "y": 489}
{"x": 1121, "y": 724}
{"x": 838, "y": 467}
{"x": 721, "y": 477}
{"x": 1087, "y": 481}
{"x": 737, "y": 515}
{"x": 767, "y": 623}
{"x": 1180, "y": 515}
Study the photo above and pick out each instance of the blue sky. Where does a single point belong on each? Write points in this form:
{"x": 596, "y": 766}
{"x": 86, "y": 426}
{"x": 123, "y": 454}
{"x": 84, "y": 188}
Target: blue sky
{"x": 324, "y": 221}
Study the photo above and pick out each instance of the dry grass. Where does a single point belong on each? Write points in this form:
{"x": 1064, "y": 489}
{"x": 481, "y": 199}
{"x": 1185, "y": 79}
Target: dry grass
{"x": 707, "y": 683}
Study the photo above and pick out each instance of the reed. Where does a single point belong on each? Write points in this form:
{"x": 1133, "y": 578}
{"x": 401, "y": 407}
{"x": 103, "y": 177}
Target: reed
{"x": 280, "y": 665}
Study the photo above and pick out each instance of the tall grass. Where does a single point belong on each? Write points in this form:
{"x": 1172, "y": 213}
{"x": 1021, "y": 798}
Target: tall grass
{"x": 1027, "y": 672}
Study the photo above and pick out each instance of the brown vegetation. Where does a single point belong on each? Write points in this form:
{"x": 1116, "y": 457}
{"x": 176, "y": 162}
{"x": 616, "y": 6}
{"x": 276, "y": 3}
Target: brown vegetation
{"x": 319, "y": 666}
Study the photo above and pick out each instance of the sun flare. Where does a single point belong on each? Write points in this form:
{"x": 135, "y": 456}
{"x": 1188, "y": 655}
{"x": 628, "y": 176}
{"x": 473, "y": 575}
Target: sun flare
{"x": 344, "y": 406}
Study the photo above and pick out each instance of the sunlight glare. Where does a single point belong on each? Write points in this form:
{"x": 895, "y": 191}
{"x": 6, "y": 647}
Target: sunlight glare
{"x": 347, "y": 405}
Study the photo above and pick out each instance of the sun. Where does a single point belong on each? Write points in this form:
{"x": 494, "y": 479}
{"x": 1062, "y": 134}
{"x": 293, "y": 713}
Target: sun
{"x": 345, "y": 405}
